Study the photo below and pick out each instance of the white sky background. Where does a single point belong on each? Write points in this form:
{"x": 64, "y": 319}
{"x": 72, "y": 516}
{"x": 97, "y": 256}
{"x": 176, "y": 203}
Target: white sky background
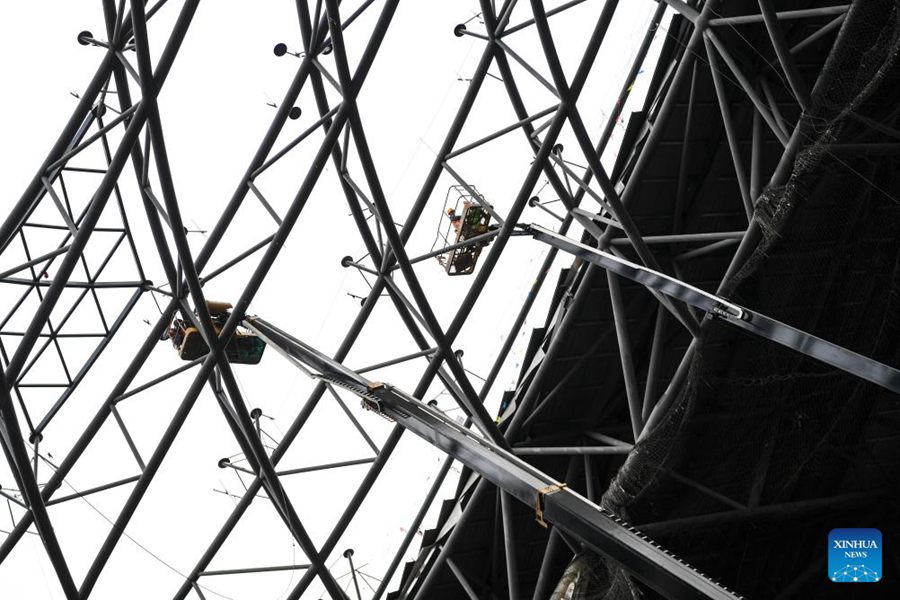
{"x": 214, "y": 113}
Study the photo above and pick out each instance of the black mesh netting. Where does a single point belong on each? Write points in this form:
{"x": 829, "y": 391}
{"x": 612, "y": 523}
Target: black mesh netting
{"x": 587, "y": 578}
{"x": 794, "y": 444}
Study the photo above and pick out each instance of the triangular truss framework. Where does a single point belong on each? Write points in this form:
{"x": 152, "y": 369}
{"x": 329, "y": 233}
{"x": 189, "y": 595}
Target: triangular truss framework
{"x": 324, "y": 67}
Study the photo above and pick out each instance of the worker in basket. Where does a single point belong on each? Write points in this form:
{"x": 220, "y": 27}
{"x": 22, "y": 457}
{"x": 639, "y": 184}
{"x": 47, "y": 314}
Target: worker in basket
{"x": 455, "y": 219}
{"x": 244, "y": 347}
{"x": 473, "y": 220}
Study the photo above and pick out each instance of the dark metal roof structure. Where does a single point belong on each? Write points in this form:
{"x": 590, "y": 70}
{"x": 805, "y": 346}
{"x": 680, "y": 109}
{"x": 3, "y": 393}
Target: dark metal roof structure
{"x": 749, "y": 453}
{"x": 717, "y": 370}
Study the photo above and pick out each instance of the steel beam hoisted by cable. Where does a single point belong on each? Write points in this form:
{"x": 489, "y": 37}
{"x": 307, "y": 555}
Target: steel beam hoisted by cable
{"x": 553, "y": 502}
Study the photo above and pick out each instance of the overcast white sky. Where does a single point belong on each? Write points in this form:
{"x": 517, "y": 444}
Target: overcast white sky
{"x": 214, "y": 111}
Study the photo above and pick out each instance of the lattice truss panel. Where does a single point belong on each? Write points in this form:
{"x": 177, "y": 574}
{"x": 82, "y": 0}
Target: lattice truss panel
{"x": 105, "y": 215}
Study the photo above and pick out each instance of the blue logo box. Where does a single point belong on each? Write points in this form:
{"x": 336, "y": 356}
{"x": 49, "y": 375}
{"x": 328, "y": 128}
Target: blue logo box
{"x": 854, "y": 555}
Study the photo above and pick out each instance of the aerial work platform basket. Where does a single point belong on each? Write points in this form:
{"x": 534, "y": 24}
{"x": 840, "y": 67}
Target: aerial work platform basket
{"x": 244, "y": 347}
{"x": 469, "y": 217}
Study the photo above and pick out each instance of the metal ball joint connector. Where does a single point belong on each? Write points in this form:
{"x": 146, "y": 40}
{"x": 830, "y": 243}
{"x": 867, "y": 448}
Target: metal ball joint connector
{"x": 85, "y": 38}
{"x": 224, "y": 462}
{"x": 459, "y": 29}
{"x": 281, "y": 49}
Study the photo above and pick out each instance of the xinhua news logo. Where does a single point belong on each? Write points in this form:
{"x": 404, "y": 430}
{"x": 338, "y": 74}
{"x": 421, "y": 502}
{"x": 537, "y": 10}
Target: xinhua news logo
{"x": 854, "y": 555}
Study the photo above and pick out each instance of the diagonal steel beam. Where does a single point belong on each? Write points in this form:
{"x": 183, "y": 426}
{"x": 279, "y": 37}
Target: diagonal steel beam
{"x": 788, "y": 64}
{"x": 735, "y": 314}
{"x": 746, "y": 86}
{"x": 728, "y": 124}
{"x": 98, "y": 201}
{"x": 119, "y": 389}
{"x": 36, "y": 500}
{"x": 567, "y": 510}
{"x": 352, "y": 195}
{"x": 616, "y": 204}
{"x": 68, "y": 139}
{"x": 241, "y": 419}
{"x": 470, "y": 399}
{"x": 350, "y": 338}
{"x": 571, "y": 202}
{"x": 255, "y": 280}
{"x": 14, "y": 445}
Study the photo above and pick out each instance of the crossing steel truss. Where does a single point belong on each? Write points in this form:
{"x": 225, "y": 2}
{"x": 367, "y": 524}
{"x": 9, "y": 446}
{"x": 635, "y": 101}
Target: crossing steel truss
{"x": 127, "y": 84}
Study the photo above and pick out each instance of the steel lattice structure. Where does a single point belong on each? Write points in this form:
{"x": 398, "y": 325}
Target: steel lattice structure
{"x": 57, "y": 283}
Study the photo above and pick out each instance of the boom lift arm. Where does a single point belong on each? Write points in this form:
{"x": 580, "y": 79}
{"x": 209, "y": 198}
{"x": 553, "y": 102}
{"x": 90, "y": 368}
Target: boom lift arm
{"x": 757, "y": 323}
{"x": 553, "y": 502}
